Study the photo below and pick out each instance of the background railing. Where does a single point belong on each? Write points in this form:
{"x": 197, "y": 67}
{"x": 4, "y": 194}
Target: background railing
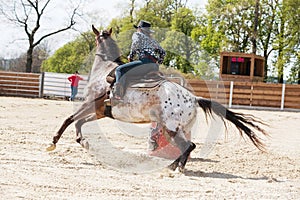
{"x": 254, "y": 94}
{"x": 20, "y": 84}
{"x": 58, "y": 85}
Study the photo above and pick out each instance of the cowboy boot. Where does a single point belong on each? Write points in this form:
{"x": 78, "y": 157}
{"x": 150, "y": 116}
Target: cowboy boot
{"x": 118, "y": 91}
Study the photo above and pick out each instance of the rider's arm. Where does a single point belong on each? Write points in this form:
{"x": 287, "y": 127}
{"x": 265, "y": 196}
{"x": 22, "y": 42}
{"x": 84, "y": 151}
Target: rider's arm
{"x": 162, "y": 53}
{"x": 134, "y": 46}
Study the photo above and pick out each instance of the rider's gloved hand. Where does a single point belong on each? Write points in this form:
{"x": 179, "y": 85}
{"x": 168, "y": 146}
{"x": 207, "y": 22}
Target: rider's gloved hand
{"x": 160, "y": 61}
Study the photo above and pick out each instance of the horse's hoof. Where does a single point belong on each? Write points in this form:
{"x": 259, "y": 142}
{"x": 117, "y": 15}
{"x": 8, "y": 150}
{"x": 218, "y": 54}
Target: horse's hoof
{"x": 78, "y": 140}
{"x": 173, "y": 166}
{"x": 51, "y": 147}
{"x": 181, "y": 169}
{"x": 85, "y": 144}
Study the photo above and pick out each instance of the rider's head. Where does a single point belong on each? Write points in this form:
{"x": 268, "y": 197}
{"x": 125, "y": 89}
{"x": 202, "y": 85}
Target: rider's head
{"x": 144, "y": 27}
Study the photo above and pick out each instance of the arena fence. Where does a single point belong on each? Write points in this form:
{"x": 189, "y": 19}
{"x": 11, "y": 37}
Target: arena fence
{"x": 232, "y": 94}
{"x": 58, "y": 85}
{"x": 20, "y": 84}
{"x": 254, "y": 94}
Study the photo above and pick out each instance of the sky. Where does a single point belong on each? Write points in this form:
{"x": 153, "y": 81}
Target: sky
{"x": 13, "y": 41}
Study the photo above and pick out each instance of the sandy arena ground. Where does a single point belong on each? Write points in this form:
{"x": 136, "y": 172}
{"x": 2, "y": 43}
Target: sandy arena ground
{"x": 234, "y": 169}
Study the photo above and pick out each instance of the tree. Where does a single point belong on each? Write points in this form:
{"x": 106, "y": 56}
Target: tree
{"x": 254, "y": 35}
{"x": 161, "y": 11}
{"x": 28, "y": 14}
{"x": 72, "y": 56}
{"x": 178, "y": 41}
{"x": 287, "y": 39}
{"x": 204, "y": 67}
{"x": 266, "y": 29}
{"x": 40, "y": 53}
{"x": 210, "y": 39}
{"x": 293, "y": 29}
{"x": 18, "y": 64}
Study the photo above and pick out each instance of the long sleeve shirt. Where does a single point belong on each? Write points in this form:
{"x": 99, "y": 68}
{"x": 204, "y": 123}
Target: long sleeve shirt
{"x": 142, "y": 45}
{"x": 74, "y": 79}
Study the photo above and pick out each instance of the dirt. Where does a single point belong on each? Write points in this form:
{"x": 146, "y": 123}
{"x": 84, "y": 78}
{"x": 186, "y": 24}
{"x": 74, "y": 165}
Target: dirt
{"x": 117, "y": 165}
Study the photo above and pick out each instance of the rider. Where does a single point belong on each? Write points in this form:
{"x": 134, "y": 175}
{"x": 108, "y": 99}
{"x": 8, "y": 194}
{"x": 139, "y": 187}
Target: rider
{"x": 147, "y": 50}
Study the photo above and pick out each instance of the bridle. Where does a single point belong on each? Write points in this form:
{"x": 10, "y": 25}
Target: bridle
{"x": 99, "y": 39}
{"x": 104, "y": 57}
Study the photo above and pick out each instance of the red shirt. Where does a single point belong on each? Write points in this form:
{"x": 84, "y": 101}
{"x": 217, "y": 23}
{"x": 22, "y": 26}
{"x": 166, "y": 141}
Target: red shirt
{"x": 74, "y": 79}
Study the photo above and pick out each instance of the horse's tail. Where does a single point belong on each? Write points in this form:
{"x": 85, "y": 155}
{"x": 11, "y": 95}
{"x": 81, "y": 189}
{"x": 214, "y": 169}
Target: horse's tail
{"x": 244, "y": 123}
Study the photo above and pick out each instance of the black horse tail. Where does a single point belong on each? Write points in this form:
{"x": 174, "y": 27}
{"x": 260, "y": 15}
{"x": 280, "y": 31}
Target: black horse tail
{"x": 244, "y": 123}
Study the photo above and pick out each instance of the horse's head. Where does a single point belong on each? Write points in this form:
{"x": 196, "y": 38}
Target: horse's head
{"x": 107, "y": 48}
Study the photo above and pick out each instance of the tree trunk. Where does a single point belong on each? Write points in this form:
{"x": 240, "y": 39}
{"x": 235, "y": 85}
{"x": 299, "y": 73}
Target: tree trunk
{"x": 280, "y": 61}
{"x": 299, "y": 76}
{"x": 254, "y": 46}
{"x": 280, "y": 66}
{"x": 29, "y": 59}
{"x": 131, "y": 11}
{"x": 266, "y": 65}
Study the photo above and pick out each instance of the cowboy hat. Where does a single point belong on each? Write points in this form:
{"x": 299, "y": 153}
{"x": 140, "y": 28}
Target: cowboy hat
{"x": 144, "y": 25}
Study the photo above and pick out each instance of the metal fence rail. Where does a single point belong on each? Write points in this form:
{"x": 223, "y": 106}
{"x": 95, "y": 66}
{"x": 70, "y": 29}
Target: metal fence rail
{"x": 58, "y": 85}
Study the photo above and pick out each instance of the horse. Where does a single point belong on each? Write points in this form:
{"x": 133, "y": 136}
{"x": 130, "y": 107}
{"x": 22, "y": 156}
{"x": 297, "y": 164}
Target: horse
{"x": 167, "y": 102}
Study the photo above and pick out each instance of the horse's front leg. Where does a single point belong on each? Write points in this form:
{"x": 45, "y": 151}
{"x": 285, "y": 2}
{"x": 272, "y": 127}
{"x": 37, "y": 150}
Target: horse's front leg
{"x": 180, "y": 162}
{"x": 78, "y": 125}
{"x": 184, "y": 157}
{"x": 59, "y": 133}
{"x": 98, "y": 113}
{"x": 178, "y": 139}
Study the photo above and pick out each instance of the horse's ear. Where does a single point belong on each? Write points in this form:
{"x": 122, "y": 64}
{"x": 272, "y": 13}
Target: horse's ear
{"x": 110, "y": 31}
{"x": 95, "y": 30}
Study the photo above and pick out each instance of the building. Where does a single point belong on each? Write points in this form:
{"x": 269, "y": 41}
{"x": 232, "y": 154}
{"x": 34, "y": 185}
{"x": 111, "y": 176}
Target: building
{"x": 236, "y": 66}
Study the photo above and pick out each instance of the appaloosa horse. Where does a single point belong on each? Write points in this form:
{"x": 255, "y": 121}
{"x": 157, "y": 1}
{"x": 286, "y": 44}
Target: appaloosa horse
{"x": 167, "y": 103}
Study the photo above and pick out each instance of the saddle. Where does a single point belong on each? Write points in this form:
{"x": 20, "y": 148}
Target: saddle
{"x": 150, "y": 80}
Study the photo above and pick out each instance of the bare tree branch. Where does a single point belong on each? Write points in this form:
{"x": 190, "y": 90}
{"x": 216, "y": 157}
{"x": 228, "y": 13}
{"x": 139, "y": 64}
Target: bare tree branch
{"x": 28, "y": 15}
{"x": 71, "y": 24}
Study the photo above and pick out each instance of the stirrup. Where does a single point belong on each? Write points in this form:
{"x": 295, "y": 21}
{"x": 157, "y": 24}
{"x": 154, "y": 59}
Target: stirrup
{"x": 107, "y": 102}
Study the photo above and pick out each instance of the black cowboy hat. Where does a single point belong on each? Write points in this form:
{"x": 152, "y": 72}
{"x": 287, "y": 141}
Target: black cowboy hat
{"x": 144, "y": 25}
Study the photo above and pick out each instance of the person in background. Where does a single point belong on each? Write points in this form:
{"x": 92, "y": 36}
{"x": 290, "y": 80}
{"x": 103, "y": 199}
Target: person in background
{"x": 74, "y": 79}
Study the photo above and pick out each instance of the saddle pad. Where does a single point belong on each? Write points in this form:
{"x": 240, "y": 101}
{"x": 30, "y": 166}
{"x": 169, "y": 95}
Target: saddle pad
{"x": 147, "y": 83}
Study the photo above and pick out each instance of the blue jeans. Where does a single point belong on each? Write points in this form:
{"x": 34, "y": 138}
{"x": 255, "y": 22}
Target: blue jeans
{"x": 136, "y": 69}
{"x": 74, "y": 91}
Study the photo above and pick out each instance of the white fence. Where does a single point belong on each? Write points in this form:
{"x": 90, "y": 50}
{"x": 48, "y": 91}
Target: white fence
{"x": 58, "y": 85}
